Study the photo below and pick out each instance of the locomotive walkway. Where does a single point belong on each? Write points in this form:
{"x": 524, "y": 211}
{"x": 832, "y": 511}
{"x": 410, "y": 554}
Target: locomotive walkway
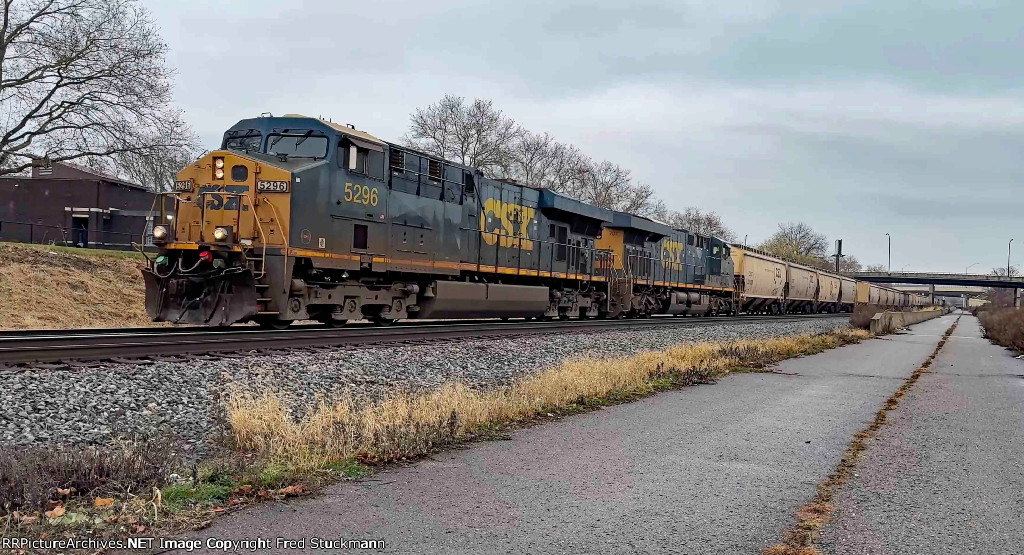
{"x": 716, "y": 469}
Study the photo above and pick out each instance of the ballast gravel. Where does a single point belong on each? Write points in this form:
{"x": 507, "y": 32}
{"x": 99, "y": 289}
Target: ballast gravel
{"x": 100, "y": 404}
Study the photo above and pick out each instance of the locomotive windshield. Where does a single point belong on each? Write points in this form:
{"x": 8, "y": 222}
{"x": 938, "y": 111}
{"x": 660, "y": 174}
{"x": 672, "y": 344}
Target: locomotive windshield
{"x": 243, "y": 139}
{"x": 300, "y": 144}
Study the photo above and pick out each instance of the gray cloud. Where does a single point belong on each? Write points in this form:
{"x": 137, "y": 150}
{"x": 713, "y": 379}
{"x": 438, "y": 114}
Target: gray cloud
{"x": 858, "y": 117}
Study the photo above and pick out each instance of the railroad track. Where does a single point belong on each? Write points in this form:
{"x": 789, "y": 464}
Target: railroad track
{"x": 47, "y": 346}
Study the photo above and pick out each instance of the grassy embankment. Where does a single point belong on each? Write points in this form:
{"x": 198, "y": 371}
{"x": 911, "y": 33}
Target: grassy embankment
{"x": 128, "y": 490}
{"x": 44, "y": 286}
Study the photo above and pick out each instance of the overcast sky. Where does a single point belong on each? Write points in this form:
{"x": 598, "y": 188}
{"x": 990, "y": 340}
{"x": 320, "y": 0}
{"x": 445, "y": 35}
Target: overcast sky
{"x": 859, "y": 118}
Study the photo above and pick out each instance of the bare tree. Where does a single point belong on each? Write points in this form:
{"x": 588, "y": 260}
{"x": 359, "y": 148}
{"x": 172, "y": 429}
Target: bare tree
{"x": 81, "y": 79}
{"x": 876, "y": 268}
{"x": 797, "y": 240}
{"x": 476, "y": 135}
{"x": 1001, "y": 272}
{"x": 156, "y": 167}
{"x": 481, "y": 136}
{"x": 697, "y": 221}
{"x": 849, "y": 264}
{"x": 530, "y": 157}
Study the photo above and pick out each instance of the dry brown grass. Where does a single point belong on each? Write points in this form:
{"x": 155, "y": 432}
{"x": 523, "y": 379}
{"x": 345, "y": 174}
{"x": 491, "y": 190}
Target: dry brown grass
{"x": 1005, "y": 326}
{"x": 51, "y": 287}
{"x": 412, "y": 425}
{"x": 812, "y": 518}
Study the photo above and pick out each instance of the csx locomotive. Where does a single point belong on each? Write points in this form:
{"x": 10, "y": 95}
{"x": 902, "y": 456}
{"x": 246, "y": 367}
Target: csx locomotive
{"x": 298, "y": 218}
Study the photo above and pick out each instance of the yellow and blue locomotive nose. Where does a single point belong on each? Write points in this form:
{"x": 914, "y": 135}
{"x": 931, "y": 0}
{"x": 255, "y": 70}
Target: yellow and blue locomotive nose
{"x": 228, "y": 199}
{"x": 229, "y": 209}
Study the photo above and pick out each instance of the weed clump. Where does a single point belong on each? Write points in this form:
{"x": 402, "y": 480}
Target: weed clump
{"x": 30, "y": 478}
{"x": 1005, "y": 326}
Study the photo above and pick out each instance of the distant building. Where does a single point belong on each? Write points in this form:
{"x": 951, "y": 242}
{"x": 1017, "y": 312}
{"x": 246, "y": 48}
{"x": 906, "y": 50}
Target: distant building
{"x": 68, "y": 204}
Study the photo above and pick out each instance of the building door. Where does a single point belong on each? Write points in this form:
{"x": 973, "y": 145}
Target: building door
{"x": 80, "y": 231}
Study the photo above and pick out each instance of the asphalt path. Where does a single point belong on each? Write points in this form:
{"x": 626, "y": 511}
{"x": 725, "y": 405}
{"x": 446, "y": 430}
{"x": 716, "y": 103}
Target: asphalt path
{"x": 709, "y": 469}
{"x": 946, "y": 475}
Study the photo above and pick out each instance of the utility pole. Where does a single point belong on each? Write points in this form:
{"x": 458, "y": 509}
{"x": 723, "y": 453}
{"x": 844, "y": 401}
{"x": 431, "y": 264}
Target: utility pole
{"x": 1008, "y": 246}
{"x": 889, "y": 238}
{"x": 839, "y": 252}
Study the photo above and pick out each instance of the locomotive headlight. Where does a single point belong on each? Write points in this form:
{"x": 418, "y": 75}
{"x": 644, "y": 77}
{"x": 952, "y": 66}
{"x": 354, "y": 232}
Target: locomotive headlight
{"x": 220, "y": 234}
{"x": 218, "y": 173}
{"x": 159, "y": 232}
{"x": 218, "y": 163}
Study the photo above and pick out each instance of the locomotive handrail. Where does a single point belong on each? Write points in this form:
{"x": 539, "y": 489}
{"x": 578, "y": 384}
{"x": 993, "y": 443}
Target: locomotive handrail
{"x": 518, "y": 239}
{"x": 284, "y": 235}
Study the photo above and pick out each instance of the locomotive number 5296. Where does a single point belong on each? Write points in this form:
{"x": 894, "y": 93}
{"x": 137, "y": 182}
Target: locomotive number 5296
{"x": 361, "y": 194}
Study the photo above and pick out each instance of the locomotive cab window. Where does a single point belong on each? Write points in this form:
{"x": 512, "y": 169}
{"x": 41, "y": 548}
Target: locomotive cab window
{"x": 298, "y": 144}
{"x": 361, "y": 158}
{"x": 242, "y": 139}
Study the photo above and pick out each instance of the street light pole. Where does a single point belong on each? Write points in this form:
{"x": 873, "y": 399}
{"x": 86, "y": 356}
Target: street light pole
{"x": 969, "y": 267}
{"x": 1008, "y": 245}
{"x": 889, "y": 238}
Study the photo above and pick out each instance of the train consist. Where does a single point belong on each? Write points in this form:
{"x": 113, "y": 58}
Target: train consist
{"x": 771, "y": 285}
{"x": 298, "y": 218}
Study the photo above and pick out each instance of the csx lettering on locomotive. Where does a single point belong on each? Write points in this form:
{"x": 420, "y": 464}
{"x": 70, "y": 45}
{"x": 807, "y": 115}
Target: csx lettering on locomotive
{"x": 506, "y": 222}
{"x": 219, "y": 202}
{"x": 671, "y": 251}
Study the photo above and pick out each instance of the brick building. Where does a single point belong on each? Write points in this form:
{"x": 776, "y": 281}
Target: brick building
{"x": 68, "y": 204}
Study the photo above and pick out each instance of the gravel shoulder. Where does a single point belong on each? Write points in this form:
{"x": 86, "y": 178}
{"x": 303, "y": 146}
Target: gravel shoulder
{"x": 710, "y": 469}
{"x": 185, "y": 399}
{"x": 945, "y": 474}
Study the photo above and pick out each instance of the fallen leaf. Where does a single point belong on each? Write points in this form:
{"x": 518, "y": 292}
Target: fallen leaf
{"x": 104, "y": 502}
{"x": 219, "y": 509}
{"x": 53, "y": 503}
{"x": 138, "y": 528}
{"x": 64, "y": 492}
{"x": 244, "y": 490}
{"x": 27, "y": 519}
{"x": 55, "y": 512}
{"x": 291, "y": 490}
{"x": 234, "y": 501}
{"x": 264, "y": 493}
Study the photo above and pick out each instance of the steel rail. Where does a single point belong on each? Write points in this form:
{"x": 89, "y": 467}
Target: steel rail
{"x": 58, "y": 345}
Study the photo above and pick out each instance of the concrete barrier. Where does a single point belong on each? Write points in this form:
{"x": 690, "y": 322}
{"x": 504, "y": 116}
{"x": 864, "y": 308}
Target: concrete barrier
{"x": 887, "y": 322}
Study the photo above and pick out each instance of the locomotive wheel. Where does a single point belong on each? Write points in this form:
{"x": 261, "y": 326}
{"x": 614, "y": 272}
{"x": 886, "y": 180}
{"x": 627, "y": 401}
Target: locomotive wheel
{"x": 275, "y": 324}
{"x": 382, "y": 320}
{"x": 332, "y": 323}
